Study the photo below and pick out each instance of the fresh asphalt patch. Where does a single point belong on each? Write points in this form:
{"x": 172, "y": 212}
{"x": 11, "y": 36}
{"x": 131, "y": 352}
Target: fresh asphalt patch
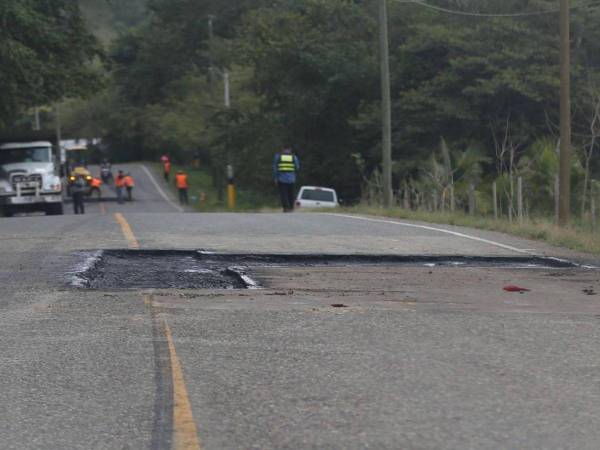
{"x": 197, "y": 269}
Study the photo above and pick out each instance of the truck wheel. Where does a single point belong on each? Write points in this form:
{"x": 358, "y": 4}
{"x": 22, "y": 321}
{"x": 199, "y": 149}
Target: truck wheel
{"x": 54, "y": 209}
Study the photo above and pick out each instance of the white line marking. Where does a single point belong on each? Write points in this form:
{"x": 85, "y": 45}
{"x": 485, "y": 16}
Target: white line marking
{"x": 160, "y": 191}
{"x": 441, "y": 230}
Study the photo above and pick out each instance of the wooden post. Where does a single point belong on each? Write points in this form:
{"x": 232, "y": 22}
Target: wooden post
{"x": 593, "y": 212}
{"x": 443, "y": 206}
{"x": 520, "y": 199}
{"x": 406, "y": 196}
{"x": 495, "y": 199}
{"x": 593, "y": 205}
{"x": 510, "y": 207}
{"x": 452, "y": 206}
{"x": 556, "y": 197}
{"x": 434, "y": 198}
{"x": 471, "y": 199}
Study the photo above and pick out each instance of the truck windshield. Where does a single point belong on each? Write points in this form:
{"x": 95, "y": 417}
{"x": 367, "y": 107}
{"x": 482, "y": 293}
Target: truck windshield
{"x": 25, "y": 155}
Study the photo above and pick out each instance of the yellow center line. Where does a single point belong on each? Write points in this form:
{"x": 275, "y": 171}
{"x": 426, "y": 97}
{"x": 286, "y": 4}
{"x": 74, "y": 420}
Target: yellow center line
{"x": 185, "y": 433}
{"x": 133, "y": 243}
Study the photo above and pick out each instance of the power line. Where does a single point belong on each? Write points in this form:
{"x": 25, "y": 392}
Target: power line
{"x": 474, "y": 14}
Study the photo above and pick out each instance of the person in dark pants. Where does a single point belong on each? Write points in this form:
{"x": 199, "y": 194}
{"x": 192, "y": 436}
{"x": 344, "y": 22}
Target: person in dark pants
{"x": 77, "y": 192}
{"x": 119, "y": 185}
{"x": 166, "y": 170}
{"x": 181, "y": 181}
{"x": 129, "y": 184}
{"x": 285, "y": 166}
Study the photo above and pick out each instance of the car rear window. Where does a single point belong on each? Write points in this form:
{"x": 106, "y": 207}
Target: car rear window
{"x": 317, "y": 195}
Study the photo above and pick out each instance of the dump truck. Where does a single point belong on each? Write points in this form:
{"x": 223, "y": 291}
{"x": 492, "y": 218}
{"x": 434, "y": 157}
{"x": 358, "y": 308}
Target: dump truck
{"x": 30, "y": 175}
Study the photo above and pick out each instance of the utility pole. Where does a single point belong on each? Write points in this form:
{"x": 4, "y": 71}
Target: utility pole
{"x": 36, "y": 123}
{"x": 231, "y": 195}
{"x": 564, "y": 183}
{"x": 210, "y": 51}
{"x": 226, "y": 88}
{"x": 386, "y": 110}
{"x": 58, "y": 131}
{"x": 217, "y": 175}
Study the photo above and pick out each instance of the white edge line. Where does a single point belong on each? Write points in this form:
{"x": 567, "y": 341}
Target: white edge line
{"x": 441, "y": 230}
{"x": 160, "y": 191}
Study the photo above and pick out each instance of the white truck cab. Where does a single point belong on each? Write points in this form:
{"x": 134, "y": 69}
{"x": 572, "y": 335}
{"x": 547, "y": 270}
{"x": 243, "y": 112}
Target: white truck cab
{"x": 29, "y": 178}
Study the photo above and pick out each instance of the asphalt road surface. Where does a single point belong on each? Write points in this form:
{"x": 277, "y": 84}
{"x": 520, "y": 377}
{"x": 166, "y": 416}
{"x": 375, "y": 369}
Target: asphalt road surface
{"x": 391, "y": 356}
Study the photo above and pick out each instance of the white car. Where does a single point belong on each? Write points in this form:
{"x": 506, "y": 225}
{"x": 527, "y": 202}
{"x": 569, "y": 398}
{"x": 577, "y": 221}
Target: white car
{"x": 316, "y": 197}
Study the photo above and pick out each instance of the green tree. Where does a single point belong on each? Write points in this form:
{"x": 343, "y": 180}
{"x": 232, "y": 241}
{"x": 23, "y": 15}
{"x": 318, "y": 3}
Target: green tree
{"x": 45, "y": 54}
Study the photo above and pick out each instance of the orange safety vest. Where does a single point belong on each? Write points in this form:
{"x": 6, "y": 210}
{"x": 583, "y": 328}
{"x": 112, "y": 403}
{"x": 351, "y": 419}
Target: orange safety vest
{"x": 96, "y": 182}
{"x": 128, "y": 181}
{"x": 181, "y": 181}
{"x": 167, "y": 166}
{"x": 119, "y": 181}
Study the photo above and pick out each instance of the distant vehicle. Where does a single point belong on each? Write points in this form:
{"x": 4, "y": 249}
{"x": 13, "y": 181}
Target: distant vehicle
{"x": 106, "y": 173}
{"x": 77, "y": 156}
{"x": 316, "y": 197}
{"x": 92, "y": 182}
{"x": 29, "y": 178}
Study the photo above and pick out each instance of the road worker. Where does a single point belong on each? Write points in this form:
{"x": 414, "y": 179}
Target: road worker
{"x": 95, "y": 184}
{"x": 166, "y": 169}
{"x": 78, "y": 188}
{"x": 129, "y": 184}
{"x": 181, "y": 181}
{"x": 285, "y": 166}
{"x": 119, "y": 185}
{"x": 105, "y": 171}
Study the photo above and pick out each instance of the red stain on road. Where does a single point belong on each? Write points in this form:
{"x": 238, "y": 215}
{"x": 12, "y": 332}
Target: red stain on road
{"x": 513, "y": 288}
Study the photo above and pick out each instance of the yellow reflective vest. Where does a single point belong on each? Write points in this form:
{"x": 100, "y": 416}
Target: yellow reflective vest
{"x": 286, "y": 163}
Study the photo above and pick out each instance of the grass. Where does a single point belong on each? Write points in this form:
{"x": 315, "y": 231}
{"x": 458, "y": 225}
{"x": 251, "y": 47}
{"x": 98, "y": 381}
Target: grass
{"x": 577, "y": 237}
{"x": 201, "y": 182}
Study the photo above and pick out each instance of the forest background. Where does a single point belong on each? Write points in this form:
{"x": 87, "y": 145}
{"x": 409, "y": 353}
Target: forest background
{"x": 474, "y": 98}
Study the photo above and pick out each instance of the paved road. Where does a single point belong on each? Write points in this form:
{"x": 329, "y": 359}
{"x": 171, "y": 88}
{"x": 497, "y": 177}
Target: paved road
{"x": 418, "y": 357}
